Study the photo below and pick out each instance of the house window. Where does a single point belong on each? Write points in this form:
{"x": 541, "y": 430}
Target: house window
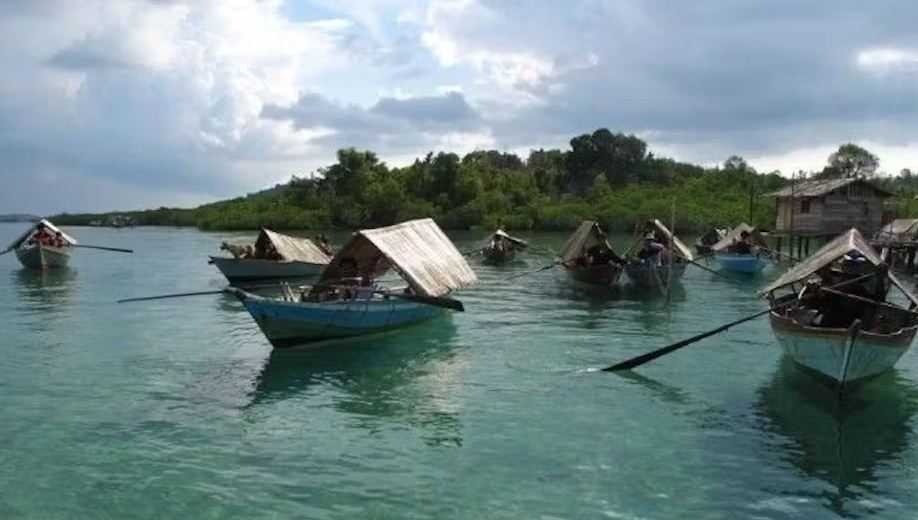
{"x": 805, "y": 206}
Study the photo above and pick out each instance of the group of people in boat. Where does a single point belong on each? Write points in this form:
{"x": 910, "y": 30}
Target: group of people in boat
{"x": 258, "y": 251}
{"x": 743, "y": 246}
{"x": 45, "y": 237}
{"x": 833, "y": 311}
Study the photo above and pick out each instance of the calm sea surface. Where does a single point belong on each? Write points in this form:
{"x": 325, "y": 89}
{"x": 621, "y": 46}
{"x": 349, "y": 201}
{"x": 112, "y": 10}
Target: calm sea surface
{"x": 180, "y": 408}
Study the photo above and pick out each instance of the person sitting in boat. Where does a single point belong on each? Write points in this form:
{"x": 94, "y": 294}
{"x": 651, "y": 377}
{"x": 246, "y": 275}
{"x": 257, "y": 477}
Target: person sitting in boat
{"x": 59, "y": 240}
{"x": 743, "y": 246}
{"x": 653, "y": 252}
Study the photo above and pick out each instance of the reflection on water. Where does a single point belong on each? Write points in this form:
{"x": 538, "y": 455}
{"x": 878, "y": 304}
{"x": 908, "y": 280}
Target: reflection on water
{"x": 44, "y": 291}
{"x": 408, "y": 375}
{"x": 842, "y": 443}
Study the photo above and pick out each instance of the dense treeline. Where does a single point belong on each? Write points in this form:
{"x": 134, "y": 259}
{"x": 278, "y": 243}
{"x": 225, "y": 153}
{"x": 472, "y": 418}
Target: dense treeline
{"x": 604, "y": 176}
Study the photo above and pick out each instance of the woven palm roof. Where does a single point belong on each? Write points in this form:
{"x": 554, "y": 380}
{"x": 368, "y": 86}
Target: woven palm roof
{"x": 22, "y": 238}
{"x": 418, "y": 249}
{"x": 518, "y": 241}
{"x": 734, "y": 235}
{"x": 586, "y": 236}
{"x": 681, "y": 248}
{"x": 899, "y": 228}
{"x": 820, "y": 187}
{"x": 293, "y": 249}
{"x": 848, "y": 242}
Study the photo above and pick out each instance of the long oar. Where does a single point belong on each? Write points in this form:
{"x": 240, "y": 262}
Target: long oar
{"x": 115, "y": 249}
{"x": 539, "y": 270}
{"x": 650, "y": 356}
{"x": 167, "y": 296}
{"x": 5, "y": 251}
{"x": 696, "y": 264}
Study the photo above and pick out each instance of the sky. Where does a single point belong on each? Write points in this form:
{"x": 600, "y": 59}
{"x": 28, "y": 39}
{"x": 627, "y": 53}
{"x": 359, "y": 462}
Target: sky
{"x": 108, "y": 105}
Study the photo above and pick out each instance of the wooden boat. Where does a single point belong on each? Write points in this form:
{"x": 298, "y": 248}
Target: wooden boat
{"x": 588, "y": 256}
{"x": 847, "y": 334}
{"x": 274, "y": 256}
{"x": 731, "y": 260}
{"x": 345, "y": 303}
{"x": 655, "y": 272}
{"x": 43, "y": 246}
{"x": 501, "y": 248}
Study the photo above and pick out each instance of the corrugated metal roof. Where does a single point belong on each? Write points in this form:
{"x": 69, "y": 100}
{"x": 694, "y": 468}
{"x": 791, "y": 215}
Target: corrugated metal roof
{"x": 820, "y": 187}
{"x": 293, "y": 249}
{"x": 22, "y": 238}
{"x": 418, "y": 249}
{"x": 852, "y": 240}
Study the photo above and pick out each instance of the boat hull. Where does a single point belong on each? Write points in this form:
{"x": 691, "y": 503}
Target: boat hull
{"x": 750, "y": 264}
{"x": 824, "y": 350}
{"x": 311, "y": 324}
{"x": 252, "y": 269}
{"x": 599, "y": 275}
{"x": 653, "y": 276}
{"x": 43, "y": 257}
{"x": 496, "y": 256}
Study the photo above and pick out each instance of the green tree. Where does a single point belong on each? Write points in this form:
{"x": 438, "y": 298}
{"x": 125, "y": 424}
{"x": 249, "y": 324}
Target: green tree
{"x": 850, "y": 160}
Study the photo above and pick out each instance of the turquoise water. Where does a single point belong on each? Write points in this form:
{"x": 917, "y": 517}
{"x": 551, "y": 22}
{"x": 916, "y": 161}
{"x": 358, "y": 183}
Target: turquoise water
{"x": 180, "y": 408}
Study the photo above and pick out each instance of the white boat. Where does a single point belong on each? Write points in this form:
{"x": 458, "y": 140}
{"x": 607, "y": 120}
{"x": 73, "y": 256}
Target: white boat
{"x": 847, "y": 334}
{"x": 725, "y": 251}
{"x": 588, "y": 257}
{"x": 291, "y": 257}
{"x": 43, "y": 254}
{"x": 656, "y": 272}
{"x": 345, "y": 304}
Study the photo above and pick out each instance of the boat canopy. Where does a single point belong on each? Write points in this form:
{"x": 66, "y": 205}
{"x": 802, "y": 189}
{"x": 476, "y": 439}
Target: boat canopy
{"x": 587, "y": 235}
{"x": 846, "y": 243}
{"x": 681, "y": 248}
{"x": 899, "y": 229}
{"x": 292, "y": 249}
{"x": 516, "y": 241}
{"x": 18, "y": 242}
{"x": 418, "y": 249}
{"x": 734, "y": 235}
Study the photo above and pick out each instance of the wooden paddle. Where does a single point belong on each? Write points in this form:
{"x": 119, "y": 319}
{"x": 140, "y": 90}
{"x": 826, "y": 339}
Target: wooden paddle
{"x": 115, "y": 249}
{"x": 650, "y": 356}
{"x": 539, "y": 270}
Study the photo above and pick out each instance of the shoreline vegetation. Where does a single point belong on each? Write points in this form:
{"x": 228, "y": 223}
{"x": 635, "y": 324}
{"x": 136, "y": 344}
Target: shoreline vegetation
{"x": 610, "y": 178}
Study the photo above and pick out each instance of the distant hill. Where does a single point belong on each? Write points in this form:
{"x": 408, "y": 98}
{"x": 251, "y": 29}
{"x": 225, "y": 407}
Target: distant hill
{"x": 18, "y": 217}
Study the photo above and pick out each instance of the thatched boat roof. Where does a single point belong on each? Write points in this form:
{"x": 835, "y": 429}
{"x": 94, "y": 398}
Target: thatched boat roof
{"x": 293, "y": 249}
{"x": 587, "y": 235}
{"x": 734, "y": 235}
{"x": 418, "y": 249}
{"x": 681, "y": 248}
{"x": 899, "y": 229}
{"x": 517, "y": 241}
{"x": 22, "y": 238}
{"x": 848, "y": 242}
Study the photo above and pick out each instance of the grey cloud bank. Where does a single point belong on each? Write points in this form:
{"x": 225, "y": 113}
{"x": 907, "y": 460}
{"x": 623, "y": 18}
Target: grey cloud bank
{"x": 111, "y": 105}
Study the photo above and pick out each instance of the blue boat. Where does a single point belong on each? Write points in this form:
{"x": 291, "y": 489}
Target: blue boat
{"x": 739, "y": 250}
{"x": 346, "y": 301}
{"x": 740, "y": 263}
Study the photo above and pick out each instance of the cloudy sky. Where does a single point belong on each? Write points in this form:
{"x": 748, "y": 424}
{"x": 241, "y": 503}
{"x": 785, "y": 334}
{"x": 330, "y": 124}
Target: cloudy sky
{"x": 109, "y": 104}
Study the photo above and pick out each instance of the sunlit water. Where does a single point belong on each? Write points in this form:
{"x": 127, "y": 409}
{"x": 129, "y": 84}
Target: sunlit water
{"x": 180, "y": 408}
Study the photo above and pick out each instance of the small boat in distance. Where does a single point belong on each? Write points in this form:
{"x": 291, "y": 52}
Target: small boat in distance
{"x": 502, "y": 248}
{"x": 741, "y": 250}
{"x": 274, "y": 256}
{"x": 831, "y": 315}
{"x": 588, "y": 256}
{"x": 43, "y": 246}
{"x": 348, "y": 302}
{"x": 653, "y": 264}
